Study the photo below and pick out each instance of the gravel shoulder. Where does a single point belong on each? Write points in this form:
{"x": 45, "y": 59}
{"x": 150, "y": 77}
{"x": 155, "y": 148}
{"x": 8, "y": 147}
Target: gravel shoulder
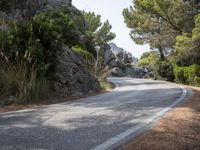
{"x": 177, "y": 130}
{"x": 108, "y": 86}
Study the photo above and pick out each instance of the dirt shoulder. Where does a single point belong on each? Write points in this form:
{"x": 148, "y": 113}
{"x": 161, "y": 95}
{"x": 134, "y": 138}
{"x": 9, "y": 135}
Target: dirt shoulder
{"x": 55, "y": 100}
{"x": 178, "y": 130}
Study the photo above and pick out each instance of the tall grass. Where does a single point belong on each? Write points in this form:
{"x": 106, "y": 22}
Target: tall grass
{"x": 20, "y": 80}
{"x": 99, "y": 69}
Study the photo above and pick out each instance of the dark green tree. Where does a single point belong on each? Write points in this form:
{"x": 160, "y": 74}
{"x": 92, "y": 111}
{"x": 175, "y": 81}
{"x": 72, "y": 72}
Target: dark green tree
{"x": 188, "y": 46}
{"x": 158, "y": 22}
{"x": 98, "y": 32}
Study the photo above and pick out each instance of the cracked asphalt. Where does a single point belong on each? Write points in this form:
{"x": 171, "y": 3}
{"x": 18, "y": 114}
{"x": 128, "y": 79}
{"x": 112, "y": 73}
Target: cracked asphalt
{"x": 86, "y": 123}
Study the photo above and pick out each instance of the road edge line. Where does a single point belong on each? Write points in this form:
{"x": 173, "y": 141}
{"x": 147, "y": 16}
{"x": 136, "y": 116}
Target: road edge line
{"x": 125, "y": 136}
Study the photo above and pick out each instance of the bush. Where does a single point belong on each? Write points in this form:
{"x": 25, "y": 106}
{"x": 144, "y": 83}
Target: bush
{"x": 86, "y": 55}
{"x": 106, "y": 86}
{"x": 21, "y": 82}
{"x": 165, "y": 70}
{"x": 187, "y": 75}
{"x": 149, "y": 60}
{"x": 41, "y": 39}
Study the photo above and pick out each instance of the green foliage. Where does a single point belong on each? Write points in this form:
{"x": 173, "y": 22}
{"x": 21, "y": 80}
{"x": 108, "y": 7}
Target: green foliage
{"x": 106, "y": 86}
{"x": 40, "y": 39}
{"x": 23, "y": 41}
{"x": 99, "y": 33}
{"x": 104, "y": 34}
{"x": 92, "y": 21}
{"x": 149, "y": 59}
{"x": 86, "y": 55}
{"x": 158, "y": 22}
{"x": 188, "y": 47}
{"x": 21, "y": 81}
{"x": 173, "y": 28}
{"x": 165, "y": 70}
{"x": 29, "y": 52}
{"x": 29, "y": 48}
{"x": 56, "y": 24}
{"x": 196, "y": 30}
{"x": 188, "y": 75}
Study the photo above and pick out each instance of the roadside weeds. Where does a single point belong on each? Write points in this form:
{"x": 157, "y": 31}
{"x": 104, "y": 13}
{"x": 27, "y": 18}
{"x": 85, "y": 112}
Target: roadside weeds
{"x": 56, "y": 100}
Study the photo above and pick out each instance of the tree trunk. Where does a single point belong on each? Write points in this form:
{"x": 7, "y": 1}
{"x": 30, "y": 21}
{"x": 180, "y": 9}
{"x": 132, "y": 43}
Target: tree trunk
{"x": 162, "y": 56}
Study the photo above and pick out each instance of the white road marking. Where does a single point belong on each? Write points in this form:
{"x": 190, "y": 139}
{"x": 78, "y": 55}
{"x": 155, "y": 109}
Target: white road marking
{"x": 109, "y": 143}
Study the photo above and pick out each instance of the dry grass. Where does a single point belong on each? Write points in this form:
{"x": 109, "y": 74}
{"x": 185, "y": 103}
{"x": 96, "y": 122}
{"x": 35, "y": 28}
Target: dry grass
{"x": 55, "y": 100}
{"x": 107, "y": 86}
{"x": 178, "y": 130}
{"x": 49, "y": 101}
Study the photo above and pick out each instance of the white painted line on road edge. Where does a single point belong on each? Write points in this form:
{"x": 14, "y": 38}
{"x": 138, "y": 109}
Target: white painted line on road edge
{"x": 111, "y": 142}
{"x": 117, "y": 86}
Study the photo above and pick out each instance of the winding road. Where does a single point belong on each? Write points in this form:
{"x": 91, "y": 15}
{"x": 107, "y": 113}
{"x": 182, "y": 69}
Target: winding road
{"x": 95, "y": 123}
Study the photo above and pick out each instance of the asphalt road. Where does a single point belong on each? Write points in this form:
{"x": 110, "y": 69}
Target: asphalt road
{"x": 95, "y": 123}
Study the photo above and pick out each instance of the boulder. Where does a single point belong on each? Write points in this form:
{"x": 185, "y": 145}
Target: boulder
{"x": 72, "y": 77}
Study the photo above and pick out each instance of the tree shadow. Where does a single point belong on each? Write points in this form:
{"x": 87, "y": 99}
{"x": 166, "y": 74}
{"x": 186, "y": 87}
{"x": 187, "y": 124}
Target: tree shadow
{"x": 82, "y": 124}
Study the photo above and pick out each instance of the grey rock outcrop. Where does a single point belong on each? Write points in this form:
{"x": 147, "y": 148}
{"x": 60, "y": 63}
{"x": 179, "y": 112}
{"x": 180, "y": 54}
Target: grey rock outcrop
{"x": 121, "y": 55}
{"x": 25, "y": 9}
{"x": 109, "y": 57}
{"x": 72, "y": 77}
{"x": 117, "y": 72}
{"x": 136, "y": 72}
{"x": 121, "y": 63}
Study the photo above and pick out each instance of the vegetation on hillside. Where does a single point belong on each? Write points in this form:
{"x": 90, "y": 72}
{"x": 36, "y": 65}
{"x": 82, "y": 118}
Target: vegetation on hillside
{"x": 29, "y": 48}
{"x": 171, "y": 28}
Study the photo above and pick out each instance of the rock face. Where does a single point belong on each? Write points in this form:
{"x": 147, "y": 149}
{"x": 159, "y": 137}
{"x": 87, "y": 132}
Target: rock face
{"x": 121, "y": 63}
{"x": 25, "y": 9}
{"x": 72, "y": 77}
{"x": 121, "y": 55}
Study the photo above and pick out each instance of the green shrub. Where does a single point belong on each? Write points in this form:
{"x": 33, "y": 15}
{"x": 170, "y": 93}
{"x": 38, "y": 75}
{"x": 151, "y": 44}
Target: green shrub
{"x": 21, "y": 81}
{"x": 41, "y": 39}
{"x": 150, "y": 60}
{"x": 105, "y": 85}
{"x": 165, "y": 70}
{"x": 188, "y": 75}
{"x": 86, "y": 55}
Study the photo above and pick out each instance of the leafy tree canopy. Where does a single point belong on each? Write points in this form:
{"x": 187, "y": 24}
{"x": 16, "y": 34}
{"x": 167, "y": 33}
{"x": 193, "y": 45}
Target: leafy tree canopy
{"x": 100, "y": 33}
{"x": 158, "y": 22}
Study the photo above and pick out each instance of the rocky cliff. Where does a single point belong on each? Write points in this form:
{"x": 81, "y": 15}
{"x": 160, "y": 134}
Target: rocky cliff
{"x": 72, "y": 77}
{"x": 25, "y": 9}
{"x": 121, "y": 63}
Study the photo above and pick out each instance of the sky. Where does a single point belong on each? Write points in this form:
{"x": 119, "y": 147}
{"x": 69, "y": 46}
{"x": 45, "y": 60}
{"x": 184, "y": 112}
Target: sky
{"x": 112, "y": 10}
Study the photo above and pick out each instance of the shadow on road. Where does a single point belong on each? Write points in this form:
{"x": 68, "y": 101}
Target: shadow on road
{"x": 82, "y": 124}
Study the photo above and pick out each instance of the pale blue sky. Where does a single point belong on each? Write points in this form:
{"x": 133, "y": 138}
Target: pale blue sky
{"x": 112, "y": 10}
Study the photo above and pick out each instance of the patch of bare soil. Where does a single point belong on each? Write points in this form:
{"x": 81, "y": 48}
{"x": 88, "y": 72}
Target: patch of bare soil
{"x": 178, "y": 130}
{"x": 53, "y": 100}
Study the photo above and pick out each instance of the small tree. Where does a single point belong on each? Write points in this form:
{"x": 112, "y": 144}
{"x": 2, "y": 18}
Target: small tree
{"x": 100, "y": 34}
